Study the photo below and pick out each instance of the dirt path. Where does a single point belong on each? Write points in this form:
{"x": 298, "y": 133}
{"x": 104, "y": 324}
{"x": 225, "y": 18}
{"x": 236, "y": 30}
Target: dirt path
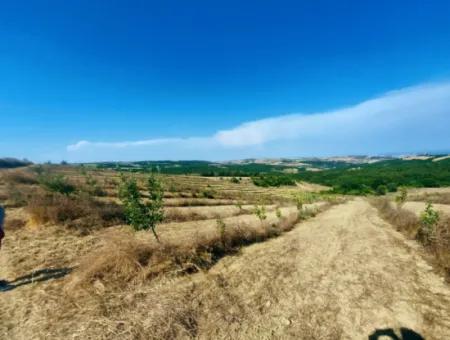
{"x": 341, "y": 275}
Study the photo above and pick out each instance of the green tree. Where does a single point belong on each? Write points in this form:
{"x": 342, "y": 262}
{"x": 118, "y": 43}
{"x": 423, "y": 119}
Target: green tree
{"x": 260, "y": 212}
{"x": 402, "y": 196}
{"x": 381, "y": 189}
{"x": 302, "y": 198}
{"x": 428, "y": 221}
{"x": 143, "y": 215}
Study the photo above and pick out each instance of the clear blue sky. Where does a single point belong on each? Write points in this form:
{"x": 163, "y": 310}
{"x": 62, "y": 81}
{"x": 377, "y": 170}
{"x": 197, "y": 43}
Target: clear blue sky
{"x": 123, "y": 71}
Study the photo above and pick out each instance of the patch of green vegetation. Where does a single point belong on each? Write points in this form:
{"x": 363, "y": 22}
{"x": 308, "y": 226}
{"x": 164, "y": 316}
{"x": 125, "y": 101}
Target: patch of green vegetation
{"x": 382, "y": 177}
{"x": 344, "y": 177}
{"x": 273, "y": 180}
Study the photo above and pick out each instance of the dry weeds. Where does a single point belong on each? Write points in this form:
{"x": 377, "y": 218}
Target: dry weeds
{"x": 81, "y": 212}
{"x": 408, "y": 223}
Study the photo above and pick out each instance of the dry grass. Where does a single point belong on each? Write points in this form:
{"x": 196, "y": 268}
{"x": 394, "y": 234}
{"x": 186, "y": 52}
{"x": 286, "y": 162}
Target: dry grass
{"x": 14, "y": 224}
{"x": 19, "y": 176}
{"x": 192, "y": 213}
{"x": 404, "y": 220}
{"x": 81, "y": 212}
{"x": 125, "y": 259}
{"x": 407, "y": 222}
{"x": 118, "y": 262}
{"x": 437, "y": 197}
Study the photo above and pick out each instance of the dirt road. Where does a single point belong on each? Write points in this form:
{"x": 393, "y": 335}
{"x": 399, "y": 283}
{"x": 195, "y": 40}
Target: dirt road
{"x": 341, "y": 275}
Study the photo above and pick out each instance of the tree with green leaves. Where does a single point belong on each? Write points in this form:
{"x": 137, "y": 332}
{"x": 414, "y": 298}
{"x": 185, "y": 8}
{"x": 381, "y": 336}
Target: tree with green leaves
{"x": 260, "y": 212}
{"x": 428, "y": 221}
{"x": 302, "y": 198}
{"x": 143, "y": 215}
{"x": 402, "y": 196}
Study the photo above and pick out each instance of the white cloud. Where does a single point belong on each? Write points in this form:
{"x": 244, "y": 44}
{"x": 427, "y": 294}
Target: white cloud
{"x": 86, "y": 144}
{"x": 412, "y": 119}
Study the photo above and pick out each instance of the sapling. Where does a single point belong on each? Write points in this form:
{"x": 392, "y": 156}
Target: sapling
{"x": 143, "y": 215}
{"x": 428, "y": 221}
{"x": 260, "y": 212}
{"x": 401, "y": 197}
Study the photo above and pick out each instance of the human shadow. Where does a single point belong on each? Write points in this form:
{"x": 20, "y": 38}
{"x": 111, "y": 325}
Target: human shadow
{"x": 406, "y": 334}
{"x": 36, "y": 276}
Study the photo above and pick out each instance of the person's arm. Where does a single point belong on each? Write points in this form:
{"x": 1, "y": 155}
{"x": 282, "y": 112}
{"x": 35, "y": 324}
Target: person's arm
{"x": 2, "y": 220}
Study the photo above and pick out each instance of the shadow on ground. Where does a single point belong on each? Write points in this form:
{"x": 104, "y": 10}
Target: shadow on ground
{"x": 36, "y": 276}
{"x": 406, "y": 334}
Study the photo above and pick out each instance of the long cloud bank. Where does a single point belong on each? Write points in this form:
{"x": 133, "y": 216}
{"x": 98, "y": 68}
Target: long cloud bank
{"x": 407, "y": 120}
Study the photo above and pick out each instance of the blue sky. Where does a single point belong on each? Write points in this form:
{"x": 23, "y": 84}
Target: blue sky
{"x": 122, "y": 80}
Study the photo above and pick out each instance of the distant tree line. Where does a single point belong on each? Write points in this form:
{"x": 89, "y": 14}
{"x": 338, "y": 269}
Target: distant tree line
{"x": 7, "y": 163}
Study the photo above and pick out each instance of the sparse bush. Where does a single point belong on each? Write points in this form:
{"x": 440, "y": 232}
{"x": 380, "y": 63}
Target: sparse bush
{"x": 208, "y": 193}
{"x": 382, "y": 190}
{"x": 92, "y": 187}
{"x": 278, "y": 212}
{"x": 401, "y": 197}
{"x": 260, "y": 212}
{"x": 391, "y": 187}
{"x": 428, "y": 221}
{"x": 56, "y": 183}
{"x": 273, "y": 180}
{"x": 143, "y": 216}
{"x": 301, "y": 199}
{"x": 235, "y": 180}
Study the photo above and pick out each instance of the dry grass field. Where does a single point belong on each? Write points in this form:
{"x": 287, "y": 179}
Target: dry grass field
{"x": 338, "y": 268}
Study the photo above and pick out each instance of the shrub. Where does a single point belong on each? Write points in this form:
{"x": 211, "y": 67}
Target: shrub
{"x": 235, "y": 180}
{"x": 428, "y": 221}
{"x": 92, "y": 187}
{"x": 278, "y": 213}
{"x": 56, "y": 183}
{"x": 143, "y": 216}
{"x": 401, "y": 197}
{"x": 381, "y": 190}
{"x": 302, "y": 198}
{"x": 208, "y": 193}
{"x": 273, "y": 180}
{"x": 392, "y": 187}
{"x": 260, "y": 212}
{"x": 430, "y": 229}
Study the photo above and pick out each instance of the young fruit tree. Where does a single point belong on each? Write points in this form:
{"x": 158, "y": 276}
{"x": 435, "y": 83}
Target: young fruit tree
{"x": 260, "y": 212}
{"x": 143, "y": 215}
{"x": 401, "y": 197}
{"x": 429, "y": 218}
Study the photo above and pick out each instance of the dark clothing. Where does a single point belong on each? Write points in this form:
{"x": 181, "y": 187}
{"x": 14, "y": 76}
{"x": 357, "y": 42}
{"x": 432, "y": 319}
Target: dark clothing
{"x": 2, "y": 220}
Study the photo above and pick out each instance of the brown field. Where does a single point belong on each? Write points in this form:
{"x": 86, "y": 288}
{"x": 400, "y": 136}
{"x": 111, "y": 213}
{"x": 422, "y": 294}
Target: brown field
{"x": 338, "y": 269}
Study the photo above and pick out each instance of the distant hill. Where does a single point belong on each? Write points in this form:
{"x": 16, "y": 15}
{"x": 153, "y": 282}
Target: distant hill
{"x": 8, "y": 163}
